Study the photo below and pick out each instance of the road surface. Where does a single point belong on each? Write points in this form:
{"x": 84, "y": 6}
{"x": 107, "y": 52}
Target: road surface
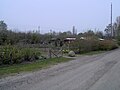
{"x": 96, "y": 72}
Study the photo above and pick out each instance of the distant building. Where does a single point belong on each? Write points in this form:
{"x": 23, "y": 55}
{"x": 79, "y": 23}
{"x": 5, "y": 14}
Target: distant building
{"x": 69, "y": 40}
{"x": 100, "y": 39}
{"x": 82, "y": 38}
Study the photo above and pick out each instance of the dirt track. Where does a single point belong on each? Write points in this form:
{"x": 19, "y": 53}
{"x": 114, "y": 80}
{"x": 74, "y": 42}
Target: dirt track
{"x": 97, "y": 72}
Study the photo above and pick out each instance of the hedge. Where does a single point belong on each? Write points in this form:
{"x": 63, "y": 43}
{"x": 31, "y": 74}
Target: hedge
{"x": 13, "y": 55}
{"x": 83, "y": 46}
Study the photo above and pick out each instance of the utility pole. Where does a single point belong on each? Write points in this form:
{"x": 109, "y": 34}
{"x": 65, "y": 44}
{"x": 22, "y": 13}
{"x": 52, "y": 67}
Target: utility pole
{"x": 111, "y": 22}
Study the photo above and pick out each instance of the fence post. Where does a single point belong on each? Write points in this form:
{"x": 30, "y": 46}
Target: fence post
{"x": 62, "y": 51}
{"x": 50, "y": 55}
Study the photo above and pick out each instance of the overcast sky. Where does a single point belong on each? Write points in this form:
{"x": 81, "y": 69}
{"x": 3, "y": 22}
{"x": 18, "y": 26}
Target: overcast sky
{"x": 58, "y": 15}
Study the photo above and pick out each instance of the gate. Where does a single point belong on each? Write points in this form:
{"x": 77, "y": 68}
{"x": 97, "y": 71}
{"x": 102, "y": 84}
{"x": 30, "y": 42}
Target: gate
{"x": 55, "y": 52}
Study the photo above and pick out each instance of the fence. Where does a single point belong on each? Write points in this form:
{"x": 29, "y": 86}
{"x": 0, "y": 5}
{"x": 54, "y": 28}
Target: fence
{"x": 55, "y": 52}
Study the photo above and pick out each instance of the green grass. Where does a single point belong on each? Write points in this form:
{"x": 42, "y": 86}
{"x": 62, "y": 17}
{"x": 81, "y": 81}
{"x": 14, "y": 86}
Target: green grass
{"x": 17, "y": 68}
{"x": 93, "y": 52}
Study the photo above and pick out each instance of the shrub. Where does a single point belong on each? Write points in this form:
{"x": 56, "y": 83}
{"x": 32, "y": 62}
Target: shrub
{"x": 30, "y": 54}
{"x": 107, "y": 45}
{"x": 12, "y": 54}
{"x": 9, "y": 55}
{"x": 83, "y": 46}
{"x": 65, "y": 51}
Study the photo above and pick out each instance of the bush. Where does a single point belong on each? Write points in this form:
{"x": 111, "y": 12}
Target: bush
{"x": 107, "y": 45}
{"x": 13, "y": 55}
{"x": 65, "y": 51}
{"x": 83, "y": 46}
{"x": 30, "y": 54}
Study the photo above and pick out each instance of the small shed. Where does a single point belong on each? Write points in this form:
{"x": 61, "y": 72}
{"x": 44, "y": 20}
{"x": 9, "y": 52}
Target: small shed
{"x": 69, "y": 40}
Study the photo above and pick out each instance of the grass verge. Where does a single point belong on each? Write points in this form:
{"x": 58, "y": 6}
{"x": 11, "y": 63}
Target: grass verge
{"x": 17, "y": 68}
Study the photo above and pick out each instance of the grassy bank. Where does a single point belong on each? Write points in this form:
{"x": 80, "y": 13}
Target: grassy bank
{"x": 17, "y": 68}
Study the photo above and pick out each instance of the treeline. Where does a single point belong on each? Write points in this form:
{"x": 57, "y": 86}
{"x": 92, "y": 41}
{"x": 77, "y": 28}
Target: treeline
{"x": 10, "y": 37}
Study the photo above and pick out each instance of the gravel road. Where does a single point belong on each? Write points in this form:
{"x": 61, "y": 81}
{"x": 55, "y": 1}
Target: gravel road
{"x": 96, "y": 72}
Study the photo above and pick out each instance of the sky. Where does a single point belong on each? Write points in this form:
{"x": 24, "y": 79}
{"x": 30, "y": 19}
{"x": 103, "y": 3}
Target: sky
{"x": 58, "y": 15}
